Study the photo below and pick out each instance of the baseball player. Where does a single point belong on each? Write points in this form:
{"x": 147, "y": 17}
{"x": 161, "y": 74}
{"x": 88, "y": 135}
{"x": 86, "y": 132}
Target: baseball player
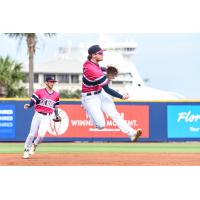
{"x": 96, "y": 93}
{"x": 45, "y": 102}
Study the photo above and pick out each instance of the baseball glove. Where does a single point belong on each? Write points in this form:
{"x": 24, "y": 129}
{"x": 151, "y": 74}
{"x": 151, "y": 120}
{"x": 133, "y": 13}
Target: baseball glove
{"x": 112, "y": 71}
{"x": 57, "y": 119}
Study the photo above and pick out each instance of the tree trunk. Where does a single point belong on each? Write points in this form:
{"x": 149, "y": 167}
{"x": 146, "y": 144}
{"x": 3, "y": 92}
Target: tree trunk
{"x": 31, "y": 74}
{"x": 31, "y": 42}
{"x": 3, "y": 91}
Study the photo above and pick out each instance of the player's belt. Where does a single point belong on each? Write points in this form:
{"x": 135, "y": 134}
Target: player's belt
{"x": 45, "y": 113}
{"x": 91, "y": 93}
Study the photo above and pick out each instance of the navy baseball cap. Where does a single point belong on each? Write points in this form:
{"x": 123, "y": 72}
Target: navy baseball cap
{"x": 94, "y": 49}
{"x": 50, "y": 78}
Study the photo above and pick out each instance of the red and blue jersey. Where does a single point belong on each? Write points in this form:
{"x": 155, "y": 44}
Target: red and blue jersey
{"x": 93, "y": 77}
{"x": 44, "y": 101}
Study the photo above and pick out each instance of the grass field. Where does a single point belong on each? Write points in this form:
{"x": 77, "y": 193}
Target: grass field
{"x": 12, "y": 148}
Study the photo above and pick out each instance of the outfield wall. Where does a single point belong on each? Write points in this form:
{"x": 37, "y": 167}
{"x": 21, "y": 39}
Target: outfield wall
{"x": 160, "y": 121}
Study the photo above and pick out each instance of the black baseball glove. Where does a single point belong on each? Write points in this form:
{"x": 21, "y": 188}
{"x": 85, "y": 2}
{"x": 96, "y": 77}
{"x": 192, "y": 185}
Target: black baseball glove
{"x": 57, "y": 119}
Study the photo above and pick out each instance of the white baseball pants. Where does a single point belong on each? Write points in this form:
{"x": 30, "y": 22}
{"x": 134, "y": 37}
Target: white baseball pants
{"x": 39, "y": 125}
{"x": 97, "y": 104}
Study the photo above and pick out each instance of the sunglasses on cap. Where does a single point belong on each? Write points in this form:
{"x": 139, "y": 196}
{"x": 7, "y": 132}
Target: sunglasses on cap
{"x": 99, "y": 53}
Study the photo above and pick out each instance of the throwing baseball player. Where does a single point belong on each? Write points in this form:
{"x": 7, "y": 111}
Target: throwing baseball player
{"x": 45, "y": 102}
{"x": 96, "y": 92}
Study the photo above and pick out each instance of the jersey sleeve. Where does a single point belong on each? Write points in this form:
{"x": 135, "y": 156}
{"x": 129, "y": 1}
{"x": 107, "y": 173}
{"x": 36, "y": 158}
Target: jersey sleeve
{"x": 95, "y": 77}
{"x": 103, "y": 80}
{"x": 36, "y": 97}
{"x": 112, "y": 92}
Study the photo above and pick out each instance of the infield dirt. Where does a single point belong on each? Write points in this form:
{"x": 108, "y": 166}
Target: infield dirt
{"x": 102, "y": 159}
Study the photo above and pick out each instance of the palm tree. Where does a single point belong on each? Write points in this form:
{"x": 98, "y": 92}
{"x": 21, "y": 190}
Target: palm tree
{"x": 11, "y": 76}
{"x": 31, "y": 40}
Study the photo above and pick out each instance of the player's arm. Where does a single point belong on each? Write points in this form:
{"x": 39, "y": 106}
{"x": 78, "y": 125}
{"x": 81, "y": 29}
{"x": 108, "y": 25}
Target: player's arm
{"x": 29, "y": 105}
{"x": 57, "y": 116}
{"x": 103, "y": 82}
{"x": 56, "y": 111}
{"x": 56, "y": 107}
{"x": 34, "y": 100}
{"x": 112, "y": 92}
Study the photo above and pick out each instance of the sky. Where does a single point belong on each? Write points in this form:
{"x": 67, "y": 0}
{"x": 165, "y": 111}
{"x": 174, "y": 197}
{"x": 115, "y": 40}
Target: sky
{"x": 170, "y": 61}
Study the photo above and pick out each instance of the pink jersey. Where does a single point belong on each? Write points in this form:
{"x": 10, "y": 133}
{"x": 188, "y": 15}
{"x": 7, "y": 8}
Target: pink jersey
{"x": 44, "y": 101}
{"x": 93, "y": 77}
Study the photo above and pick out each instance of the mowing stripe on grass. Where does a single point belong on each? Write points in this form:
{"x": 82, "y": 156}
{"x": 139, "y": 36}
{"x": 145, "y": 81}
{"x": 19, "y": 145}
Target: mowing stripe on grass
{"x": 106, "y": 147}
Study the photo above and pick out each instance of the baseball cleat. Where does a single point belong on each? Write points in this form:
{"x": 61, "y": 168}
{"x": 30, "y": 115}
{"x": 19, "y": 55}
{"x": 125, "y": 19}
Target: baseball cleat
{"x": 135, "y": 137}
{"x": 26, "y": 154}
{"x": 32, "y": 150}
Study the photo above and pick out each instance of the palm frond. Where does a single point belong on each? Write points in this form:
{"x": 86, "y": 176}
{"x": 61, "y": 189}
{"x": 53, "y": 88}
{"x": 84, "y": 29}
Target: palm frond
{"x": 16, "y": 35}
{"x": 50, "y": 34}
{"x": 11, "y": 75}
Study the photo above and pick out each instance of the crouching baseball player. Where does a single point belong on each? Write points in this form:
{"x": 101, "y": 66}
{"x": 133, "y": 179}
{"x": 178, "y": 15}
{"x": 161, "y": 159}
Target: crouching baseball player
{"x": 96, "y": 92}
{"x": 45, "y": 102}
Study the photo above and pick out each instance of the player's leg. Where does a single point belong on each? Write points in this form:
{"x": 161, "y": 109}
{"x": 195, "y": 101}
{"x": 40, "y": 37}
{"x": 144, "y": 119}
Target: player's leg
{"x": 32, "y": 149}
{"x": 33, "y": 131}
{"x": 43, "y": 127}
{"x": 109, "y": 108}
{"x": 92, "y": 105}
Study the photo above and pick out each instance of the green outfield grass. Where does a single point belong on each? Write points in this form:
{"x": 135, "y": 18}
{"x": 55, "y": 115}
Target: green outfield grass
{"x": 106, "y": 147}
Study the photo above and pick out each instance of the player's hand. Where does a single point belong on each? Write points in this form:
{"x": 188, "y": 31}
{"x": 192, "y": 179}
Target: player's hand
{"x": 125, "y": 96}
{"x": 111, "y": 77}
{"x": 26, "y": 106}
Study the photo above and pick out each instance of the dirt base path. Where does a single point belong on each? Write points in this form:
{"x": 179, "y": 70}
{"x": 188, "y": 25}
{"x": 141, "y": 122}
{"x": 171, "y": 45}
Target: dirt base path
{"x": 102, "y": 159}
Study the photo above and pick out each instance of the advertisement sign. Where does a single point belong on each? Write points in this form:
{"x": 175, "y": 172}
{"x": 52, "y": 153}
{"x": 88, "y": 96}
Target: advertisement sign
{"x": 76, "y": 123}
{"x": 7, "y": 121}
{"x": 183, "y": 121}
